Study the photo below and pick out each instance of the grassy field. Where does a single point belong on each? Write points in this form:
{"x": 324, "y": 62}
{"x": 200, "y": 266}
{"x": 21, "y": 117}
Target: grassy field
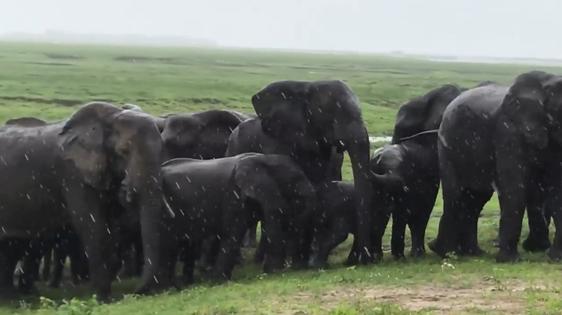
{"x": 50, "y": 81}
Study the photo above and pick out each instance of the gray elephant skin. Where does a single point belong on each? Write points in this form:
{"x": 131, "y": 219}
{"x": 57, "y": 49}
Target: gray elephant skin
{"x": 70, "y": 173}
{"x": 217, "y": 198}
{"x": 312, "y": 118}
{"x": 507, "y": 137}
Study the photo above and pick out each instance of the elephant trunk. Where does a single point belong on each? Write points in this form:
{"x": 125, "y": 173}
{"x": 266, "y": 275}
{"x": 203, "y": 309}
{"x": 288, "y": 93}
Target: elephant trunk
{"x": 145, "y": 179}
{"x": 390, "y": 181}
{"x": 358, "y": 148}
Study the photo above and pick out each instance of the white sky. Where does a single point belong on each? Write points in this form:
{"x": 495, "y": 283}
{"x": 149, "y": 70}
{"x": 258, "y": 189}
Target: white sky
{"x": 506, "y": 28}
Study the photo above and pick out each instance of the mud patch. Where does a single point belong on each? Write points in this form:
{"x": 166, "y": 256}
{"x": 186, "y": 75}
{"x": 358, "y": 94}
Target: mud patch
{"x": 484, "y": 296}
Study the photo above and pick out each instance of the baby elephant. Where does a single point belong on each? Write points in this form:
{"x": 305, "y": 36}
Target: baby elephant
{"x": 219, "y": 198}
{"x": 405, "y": 179}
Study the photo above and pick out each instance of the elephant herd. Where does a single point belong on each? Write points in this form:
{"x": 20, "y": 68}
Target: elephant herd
{"x": 120, "y": 192}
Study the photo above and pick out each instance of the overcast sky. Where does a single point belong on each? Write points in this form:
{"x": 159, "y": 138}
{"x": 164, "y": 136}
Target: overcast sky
{"x": 506, "y": 28}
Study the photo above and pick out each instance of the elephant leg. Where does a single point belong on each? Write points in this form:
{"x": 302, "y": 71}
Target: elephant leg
{"x": 512, "y": 204}
{"x": 274, "y": 247}
{"x": 210, "y": 252}
{"x": 93, "y": 229}
{"x": 190, "y": 254}
{"x": 59, "y": 258}
{"x": 79, "y": 265}
{"x": 29, "y": 266}
{"x": 538, "y": 238}
{"x": 555, "y": 210}
{"x": 226, "y": 259}
{"x": 449, "y": 224}
{"x": 301, "y": 256}
{"x": 250, "y": 235}
{"x": 474, "y": 202}
{"x": 352, "y": 257}
{"x": 418, "y": 224}
{"x": 382, "y": 217}
{"x": 398, "y": 233}
{"x": 47, "y": 262}
{"x": 337, "y": 235}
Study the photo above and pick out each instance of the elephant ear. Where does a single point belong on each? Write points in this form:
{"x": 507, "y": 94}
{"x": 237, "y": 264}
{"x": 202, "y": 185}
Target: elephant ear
{"x": 82, "y": 142}
{"x": 255, "y": 181}
{"x": 423, "y": 113}
{"x": 281, "y": 106}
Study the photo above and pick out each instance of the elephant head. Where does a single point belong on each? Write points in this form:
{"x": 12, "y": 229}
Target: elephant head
{"x": 526, "y": 108}
{"x": 423, "y": 113}
{"x": 110, "y": 150}
{"x": 183, "y": 133}
{"x": 309, "y": 115}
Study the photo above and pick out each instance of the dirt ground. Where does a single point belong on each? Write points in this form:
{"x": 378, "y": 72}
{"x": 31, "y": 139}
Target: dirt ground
{"x": 486, "y": 296}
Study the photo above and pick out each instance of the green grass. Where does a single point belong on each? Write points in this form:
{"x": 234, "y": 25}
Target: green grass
{"x": 50, "y": 81}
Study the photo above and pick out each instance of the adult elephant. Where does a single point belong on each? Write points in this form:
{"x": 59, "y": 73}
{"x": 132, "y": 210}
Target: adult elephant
{"x": 508, "y": 137}
{"x": 250, "y": 137}
{"x": 201, "y": 135}
{"x": 312, "y": 118}
{"x": 70, "y": 172}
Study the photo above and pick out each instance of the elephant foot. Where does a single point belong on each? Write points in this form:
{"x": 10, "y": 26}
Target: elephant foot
{"x": 28, "y": 290}
{"x": 352, "y": 259}
{"x": 299, "y": 265}
{"x": 399, "y": 256}
{"x": 187, "y": 280}
{"x": 272, "y": 267}
{"x": 536, "y": 245}
{"x": 54, "y": 284}
{"x": 554, "y": 254}
{"x": 475, "y": 251}
{"x": 507, "y": 256}
{"x": 417, "y": 252}
{"x": 437, "y": 248}
{"x": 318, "y": 262}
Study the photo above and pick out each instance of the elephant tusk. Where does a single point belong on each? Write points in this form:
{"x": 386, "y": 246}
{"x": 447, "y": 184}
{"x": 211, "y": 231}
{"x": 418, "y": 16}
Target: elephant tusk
{"x": 170, "y": 211}
{"x": 419, "y": 134}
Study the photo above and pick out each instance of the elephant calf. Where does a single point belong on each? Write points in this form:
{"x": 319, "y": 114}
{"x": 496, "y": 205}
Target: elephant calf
{"x": 217, "y": 198}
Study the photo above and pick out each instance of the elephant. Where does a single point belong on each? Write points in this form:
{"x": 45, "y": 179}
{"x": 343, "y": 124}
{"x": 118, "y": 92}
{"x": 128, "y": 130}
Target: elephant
{"x": 507, "y": 139}
{"x": 201, "y": 135}
{"x": 250, "y": 137}
{"x": 70, "y": 172}
{"x": 216, "y": 198}
{"x": 312, "y": 118}
{"x": 410, "y": 183}
{"x": 336, "y": 219}
{"x": 405, "y": 180}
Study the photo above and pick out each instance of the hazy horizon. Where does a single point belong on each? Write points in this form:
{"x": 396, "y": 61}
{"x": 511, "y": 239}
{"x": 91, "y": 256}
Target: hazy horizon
{"x": 508, "y": 29}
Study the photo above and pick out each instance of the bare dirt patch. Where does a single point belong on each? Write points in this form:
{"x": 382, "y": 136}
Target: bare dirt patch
{"x": 483, "y": 296}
